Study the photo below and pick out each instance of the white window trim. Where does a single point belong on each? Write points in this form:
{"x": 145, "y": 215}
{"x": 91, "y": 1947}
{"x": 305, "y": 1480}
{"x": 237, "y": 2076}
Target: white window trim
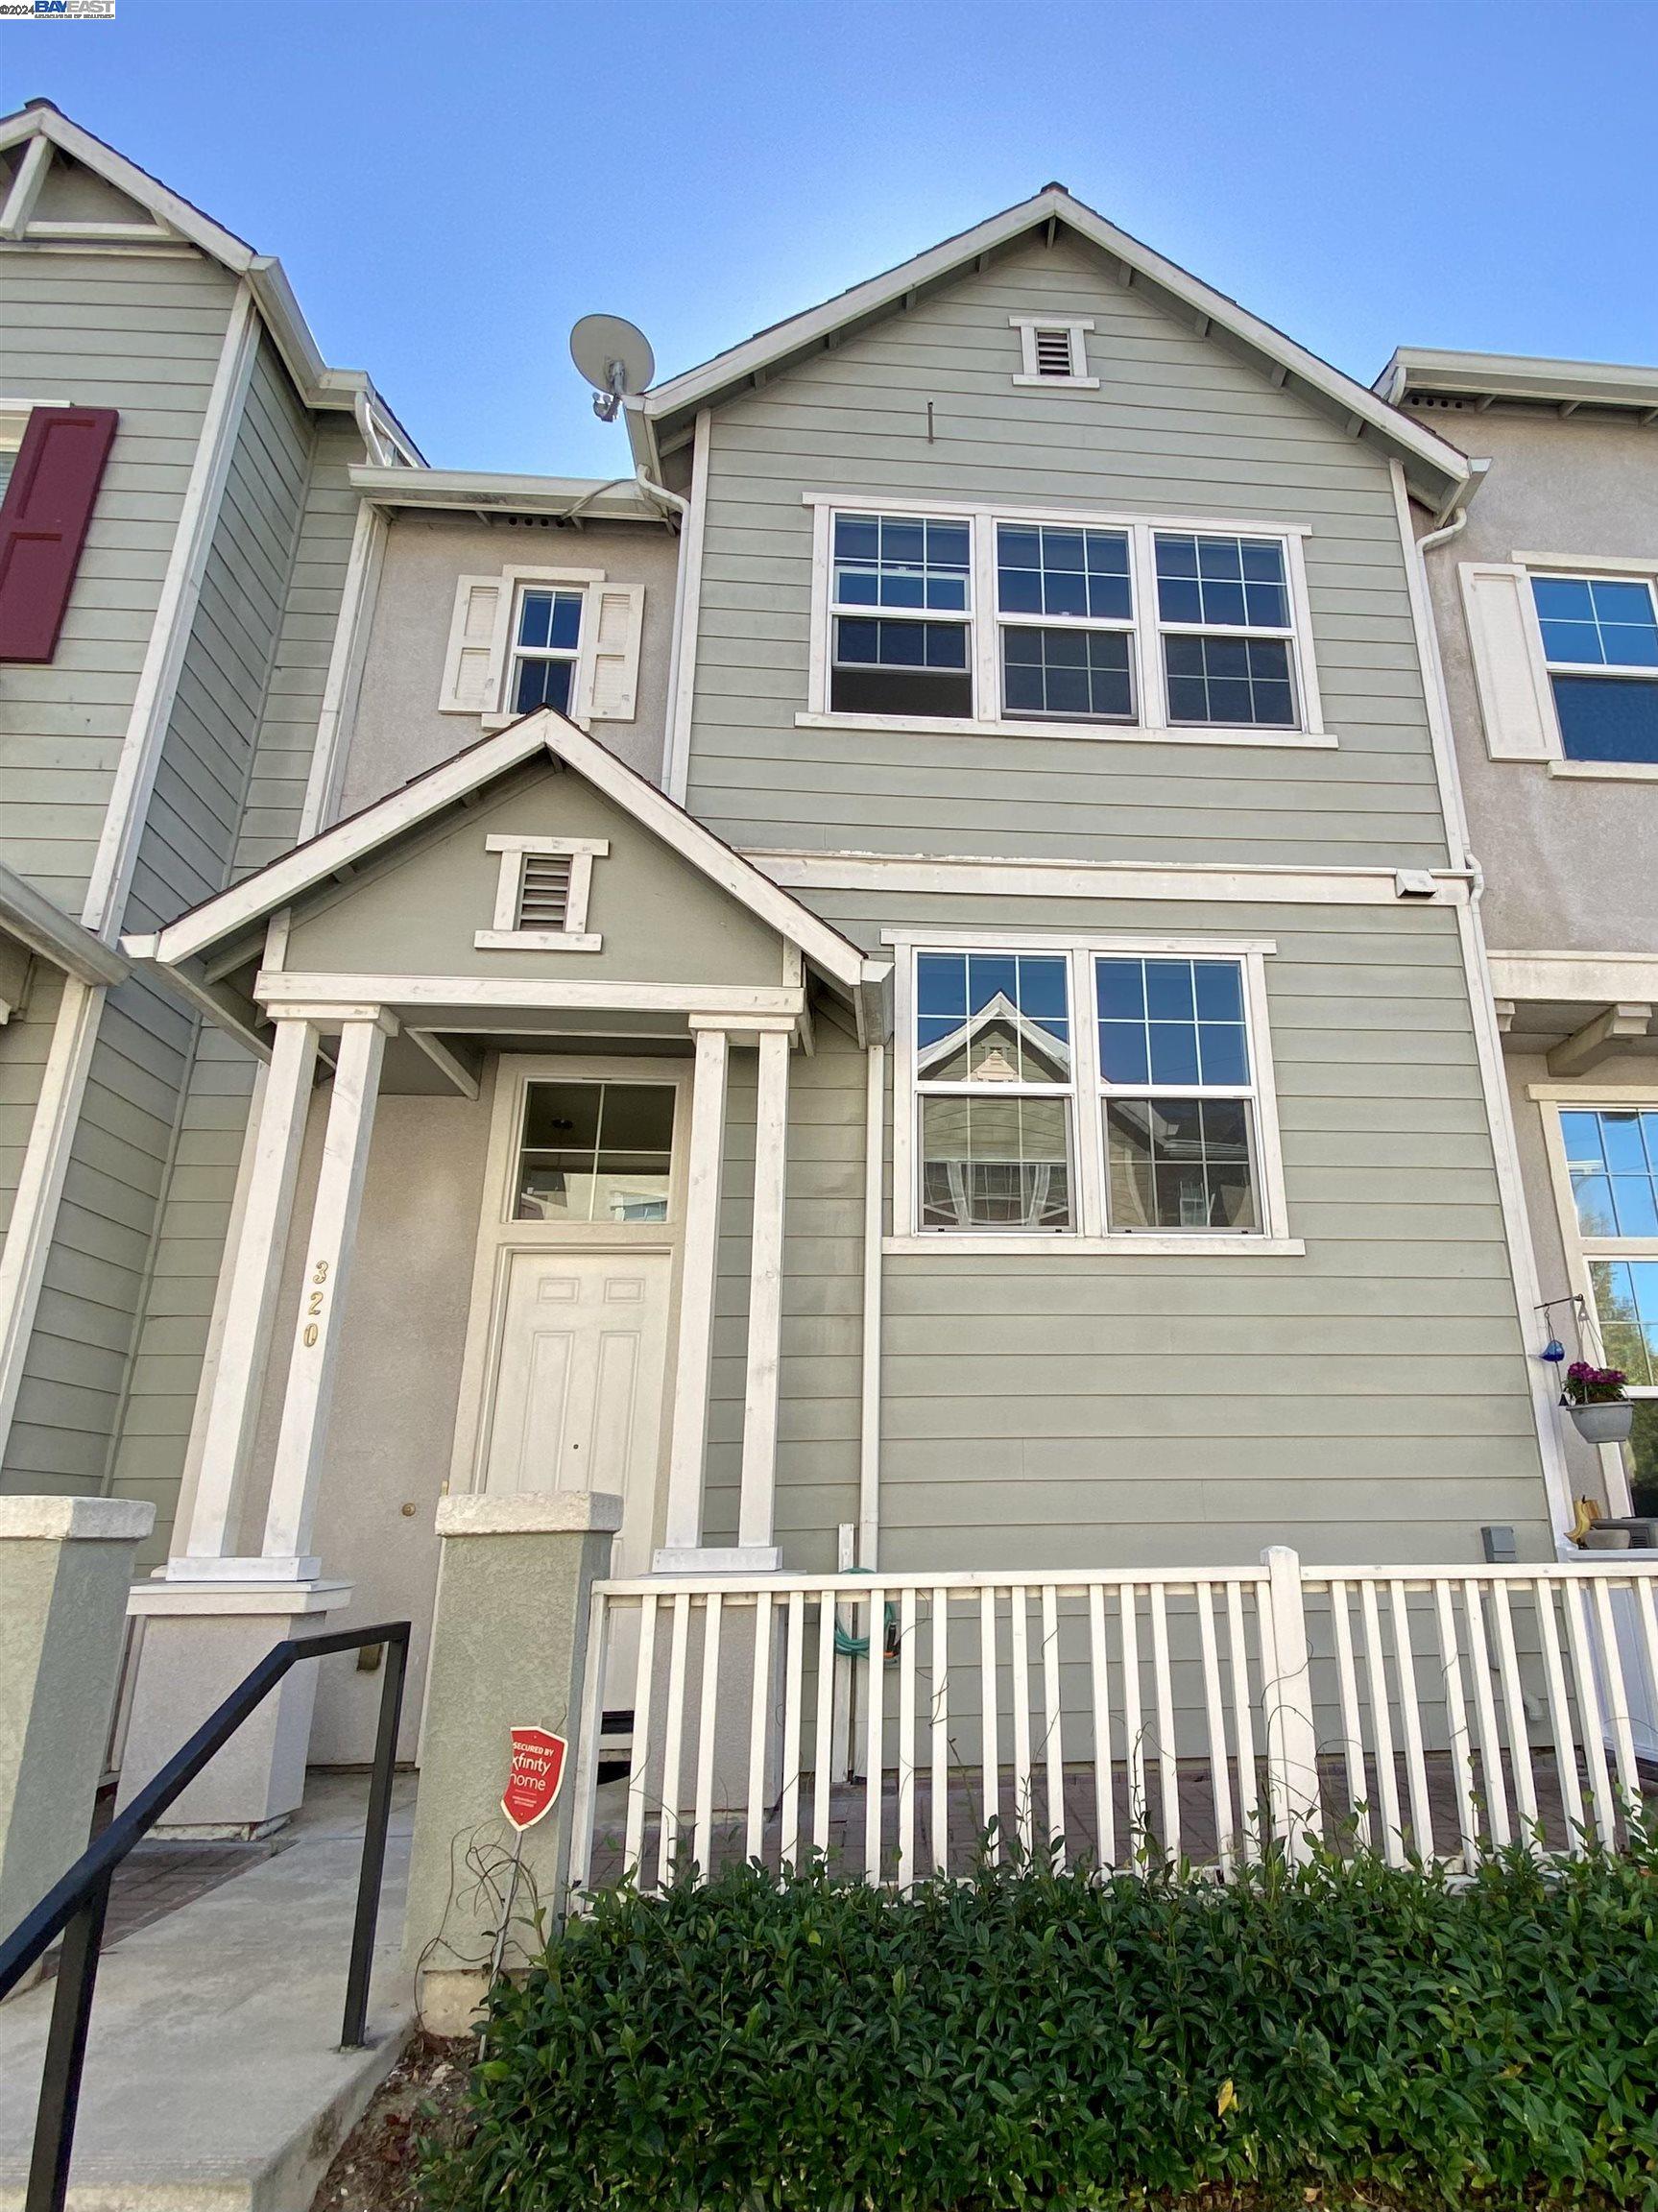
{"x": 1090, "y": 1236}
{"x": 1076, "y": 327}
{"x": 1153, "y": 725}
{"x": 1592, "y": 1098}
{"x": 514, "y": 583}
{"x": 505, "y": 936}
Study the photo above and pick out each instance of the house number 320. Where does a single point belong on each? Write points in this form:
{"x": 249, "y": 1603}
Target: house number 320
{"x": 314, "y": 1298}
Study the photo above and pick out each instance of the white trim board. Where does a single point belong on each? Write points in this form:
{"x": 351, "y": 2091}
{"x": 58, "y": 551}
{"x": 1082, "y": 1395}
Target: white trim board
{"x": 284, "y": 880}
{"x": 758, "y": 356}
{"x": 1024, "y": 878}
{"x": 1599, "y": 978}
{"x": 158, "y": 685}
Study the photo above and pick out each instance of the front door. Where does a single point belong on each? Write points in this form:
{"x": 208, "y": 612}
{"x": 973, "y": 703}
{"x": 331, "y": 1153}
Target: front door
{"x": 579, "y": 1383}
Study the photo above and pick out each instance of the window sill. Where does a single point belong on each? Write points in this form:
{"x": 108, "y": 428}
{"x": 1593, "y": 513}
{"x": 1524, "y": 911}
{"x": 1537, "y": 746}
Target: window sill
{"x": 1192, "y": 1247}
{"x": 1124, "y": 732}
{"x": 1607, "y": 771}
{"x": 535, "y": 941}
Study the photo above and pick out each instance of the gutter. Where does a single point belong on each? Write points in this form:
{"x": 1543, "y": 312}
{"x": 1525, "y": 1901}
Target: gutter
{"x": 32, "y": 918}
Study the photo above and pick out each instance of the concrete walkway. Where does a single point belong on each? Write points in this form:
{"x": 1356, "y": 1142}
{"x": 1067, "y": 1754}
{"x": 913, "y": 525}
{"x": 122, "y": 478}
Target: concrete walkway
{"x": 213, "y": 2079}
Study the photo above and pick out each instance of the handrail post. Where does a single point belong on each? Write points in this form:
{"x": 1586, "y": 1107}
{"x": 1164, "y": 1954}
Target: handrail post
{"x": 375, "y": 1831}
{"x": 65, "y": 2054}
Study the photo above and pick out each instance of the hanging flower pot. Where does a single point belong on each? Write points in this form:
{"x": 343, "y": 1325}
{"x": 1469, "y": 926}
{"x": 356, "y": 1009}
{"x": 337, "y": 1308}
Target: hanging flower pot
{"x": 1594, "y": 1398}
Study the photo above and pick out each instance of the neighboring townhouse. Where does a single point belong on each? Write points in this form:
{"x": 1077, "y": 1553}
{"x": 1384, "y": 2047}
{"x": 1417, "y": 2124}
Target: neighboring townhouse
{"x": 1545, "y": 599}
{"x": 902, "y": 986}
{"x": 177, "y": 536}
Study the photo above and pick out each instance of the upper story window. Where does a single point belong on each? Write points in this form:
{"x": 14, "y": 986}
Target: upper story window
{"x": 1072, "y": 659}
{"x": 547, "y": 650}
{"x": 526, "y": 638}
{"x": 1223, "y": 609}
{"x": 1095, "y": 1092}
{"x": 903, "y": 659}
{"x": 1600, "y": 648}
{"x": 1008, "y": 624}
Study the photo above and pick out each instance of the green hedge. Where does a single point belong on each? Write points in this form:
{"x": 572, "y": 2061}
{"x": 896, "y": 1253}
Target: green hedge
{"x": 1032, "y": 2039}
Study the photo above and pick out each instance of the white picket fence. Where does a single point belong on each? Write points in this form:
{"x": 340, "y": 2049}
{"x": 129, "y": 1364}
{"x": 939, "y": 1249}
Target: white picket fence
{"x": 1109, "y": 1717}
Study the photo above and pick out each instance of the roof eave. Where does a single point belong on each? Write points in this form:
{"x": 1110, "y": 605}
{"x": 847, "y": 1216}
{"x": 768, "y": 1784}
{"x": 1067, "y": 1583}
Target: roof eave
{"x": 1541, "y": 378}
{"x": 465, "y": 490}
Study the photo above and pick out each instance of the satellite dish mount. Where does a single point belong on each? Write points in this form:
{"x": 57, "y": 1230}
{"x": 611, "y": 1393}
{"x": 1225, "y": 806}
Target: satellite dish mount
{"x": 615, "y": 359}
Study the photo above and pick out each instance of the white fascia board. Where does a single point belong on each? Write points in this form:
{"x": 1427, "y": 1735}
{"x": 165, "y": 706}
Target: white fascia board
{"x": 288, "y": 878}
{"x": 33, "y": 919}
{"x": 702, "y": 386}
{"x": 1568, "y": 978}
{"x": 1519, "y": 376}
{"x": 468, "y": 490}
{"x": 274, "y": 886}
{"x": 189, "y": 223}
{"x": 836, "y": 956}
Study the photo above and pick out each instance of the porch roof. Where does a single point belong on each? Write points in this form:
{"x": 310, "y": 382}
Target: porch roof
{"x": 201, "y": 952}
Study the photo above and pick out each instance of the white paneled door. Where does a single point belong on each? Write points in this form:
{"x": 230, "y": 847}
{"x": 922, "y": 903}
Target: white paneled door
{"x": 579, "y": 1383}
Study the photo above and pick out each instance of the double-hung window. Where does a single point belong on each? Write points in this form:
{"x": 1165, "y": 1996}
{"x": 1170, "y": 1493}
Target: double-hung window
{"x": 1224, "y": 611}
{"x": 1177, "y": 1095}
{"x": 1013, "y": 624}
{"x": 1600, "y": 648}
{"x": 1095, "y": 1092}
{"x": 903, "y": 593}
{"x": 996, "y": 1086}
{"x": 1064, "y": 606}
{"x": 547, "y": 650}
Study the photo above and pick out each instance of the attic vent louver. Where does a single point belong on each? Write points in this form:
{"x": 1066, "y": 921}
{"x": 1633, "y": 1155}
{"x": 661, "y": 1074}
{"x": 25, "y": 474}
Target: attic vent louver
{"x": 1053, "y": 353}
{"x": 544, "y": 891}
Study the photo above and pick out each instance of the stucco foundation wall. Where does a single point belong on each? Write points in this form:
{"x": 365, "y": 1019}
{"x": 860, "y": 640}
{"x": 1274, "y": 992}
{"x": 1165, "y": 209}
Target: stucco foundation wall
{"x": 398, "y": 730}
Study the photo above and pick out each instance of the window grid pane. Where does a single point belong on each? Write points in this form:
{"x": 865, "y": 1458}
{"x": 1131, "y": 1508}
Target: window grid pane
{"x": 993, "y": 1018}
{"x": 596, "y": 1152}
{"x": 904, "y": 564}
{"x": 1233, "y": 680}
{"x": 1596, "y": 622}
{"x": 1235, "y": 582}
{"x": 1179, "y": 1164}
{"x": 1078, "y": 575}
{"x": 1082, "y": 675}
{"x": 990, "y": 1163}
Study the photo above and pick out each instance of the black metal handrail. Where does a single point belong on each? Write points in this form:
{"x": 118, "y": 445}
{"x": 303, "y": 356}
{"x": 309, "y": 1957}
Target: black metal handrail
{"x": 74, "y": 1906}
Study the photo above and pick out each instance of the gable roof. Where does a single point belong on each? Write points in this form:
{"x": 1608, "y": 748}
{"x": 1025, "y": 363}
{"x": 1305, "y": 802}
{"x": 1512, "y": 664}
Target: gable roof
{"x": 546, "y": 732}
{"x": 38, "y": 124}
{"x": 1434, "y": 467}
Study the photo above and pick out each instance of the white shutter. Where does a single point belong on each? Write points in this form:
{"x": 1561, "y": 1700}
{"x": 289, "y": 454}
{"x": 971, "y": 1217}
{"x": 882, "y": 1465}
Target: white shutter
{"x": 471, "y": 666}
{"x": 1515, "y": 701}
{"x": 619, "y": 612}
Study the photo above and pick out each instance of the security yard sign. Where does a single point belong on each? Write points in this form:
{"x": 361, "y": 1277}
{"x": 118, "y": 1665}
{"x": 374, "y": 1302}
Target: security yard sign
{"x": 533, "y": 1775}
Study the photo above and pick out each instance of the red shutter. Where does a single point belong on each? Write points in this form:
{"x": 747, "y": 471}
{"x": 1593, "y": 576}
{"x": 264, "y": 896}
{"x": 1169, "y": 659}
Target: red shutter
{"x": 43, "y": 523}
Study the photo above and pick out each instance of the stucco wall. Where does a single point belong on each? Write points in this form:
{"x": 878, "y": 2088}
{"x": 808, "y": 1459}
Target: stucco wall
{"x": 1569, "y": 861}
{"x": 398, "y": 729}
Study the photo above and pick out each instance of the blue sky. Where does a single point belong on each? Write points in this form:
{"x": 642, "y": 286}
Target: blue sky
{"x": 451, "y": 182}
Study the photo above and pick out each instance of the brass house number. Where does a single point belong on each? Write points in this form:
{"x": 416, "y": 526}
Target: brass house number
{"x": 314, "y": 1299}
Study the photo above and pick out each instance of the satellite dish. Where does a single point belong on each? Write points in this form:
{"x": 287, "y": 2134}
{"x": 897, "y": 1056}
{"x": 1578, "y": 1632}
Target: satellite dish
{"x": 615, "y": 359}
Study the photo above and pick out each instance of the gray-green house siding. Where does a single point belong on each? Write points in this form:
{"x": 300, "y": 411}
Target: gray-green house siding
{"x": 1180, "y": 426}
{"x": 85, "y": 1353}
{"x": 1367, "y": 1399}
{"x": 140, "y": 334}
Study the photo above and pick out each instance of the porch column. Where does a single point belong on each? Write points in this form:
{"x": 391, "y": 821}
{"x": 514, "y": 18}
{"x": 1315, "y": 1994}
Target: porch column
{"x": 755, "y": 1510}
{"x": 698, "y": 1268}
{"x": 297, "y": 1465}
{"x": 254, "y": 1270}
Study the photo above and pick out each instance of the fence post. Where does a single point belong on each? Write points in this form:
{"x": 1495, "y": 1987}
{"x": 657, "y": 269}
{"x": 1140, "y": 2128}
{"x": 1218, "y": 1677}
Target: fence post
{"x": 66, "y": 1568}
{"x": 509, "y": 1649}
{"x": 1292, "y": 1737}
